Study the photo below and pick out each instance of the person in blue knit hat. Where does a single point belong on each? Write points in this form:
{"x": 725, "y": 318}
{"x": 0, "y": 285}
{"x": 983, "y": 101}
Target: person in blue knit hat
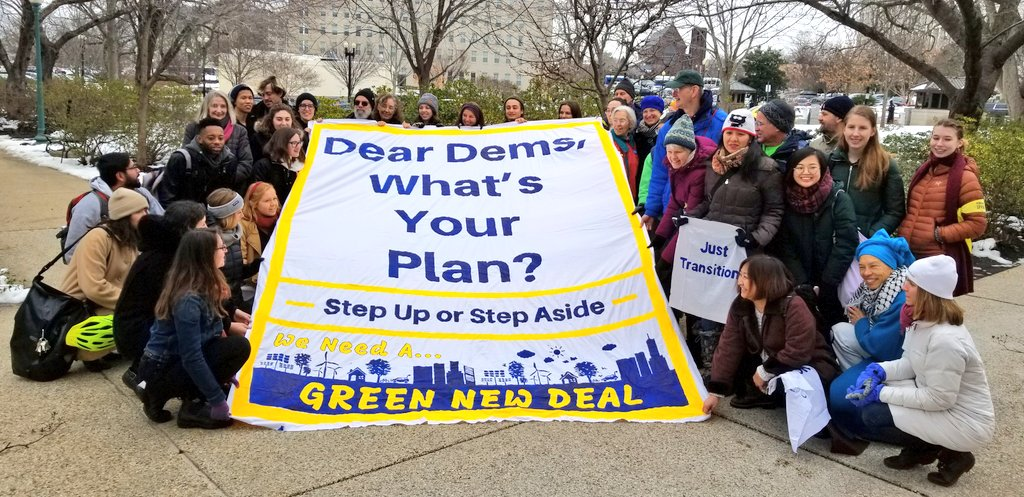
{"x": 648, "y": 124}
{"x": 874, "y": 333}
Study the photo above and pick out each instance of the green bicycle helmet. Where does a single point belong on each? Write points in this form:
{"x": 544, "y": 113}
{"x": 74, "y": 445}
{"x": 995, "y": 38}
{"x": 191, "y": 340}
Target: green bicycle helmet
{"x": 95, "y": 334}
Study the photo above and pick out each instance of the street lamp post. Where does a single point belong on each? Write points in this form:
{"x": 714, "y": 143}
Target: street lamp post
{"x": 40, "y": 116}
{"x": 350, "y": 54}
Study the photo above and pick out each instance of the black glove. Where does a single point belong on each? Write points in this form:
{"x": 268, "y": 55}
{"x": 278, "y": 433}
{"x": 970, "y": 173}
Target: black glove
{"x": 640, "y": 209}
{"x": 658, "y": 242}
{"x": 680, "y": 220}
{"x": 251, "y": 269}
{"x": 746, "y": 240}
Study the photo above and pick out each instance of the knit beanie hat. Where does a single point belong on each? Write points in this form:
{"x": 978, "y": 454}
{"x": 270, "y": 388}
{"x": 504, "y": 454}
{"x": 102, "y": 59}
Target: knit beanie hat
{"x": 780, "y": 114}
{"x": 893, "y": 252}
{"x": 935, "y": 274}
{"x": 303, "y": 97}
{"x": 228, "y": 209}
{"x": 238, "y": 89}
{"x": 627, "y": 86}
{"x": 367, "y": 94}
{"x": 741, "y": 120}
{"x": 838, "y": 106}
{"x": 682, "y": 134}
{"x": 429, "y": 99}
{"x": 652, "y": 102}
{"x": 125, "y": 202}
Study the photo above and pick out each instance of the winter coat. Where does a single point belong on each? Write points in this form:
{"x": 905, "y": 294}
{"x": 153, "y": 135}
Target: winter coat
{"x": 707, "y": 122}
{"x": 277, "y": 174}
{"x": 233, "y": 260}
{"x": 880, "y": 207}
{"x": 208, "y": 174}
{"x": 645, "y": 143}
{"x": 258, "y": 111}
{"x": 237, "y": 143}
{"x": 630, "y": 160}
{"x": 938, "y": 390}
{"x": 134, "y": 314}
{"x": 795, "y": 140}
{"x": 87, "y": 213}
{"x": 788, "y": 336}
{"x": 687, "y": 185}
{"x": 756, "y": 204}
{"x": 926, "y": 209}
{"x": 819, "y": 247}
{"x": 98, "y": 270}
{"x": 182, "y": 337}
{"x": 824, "y": 144}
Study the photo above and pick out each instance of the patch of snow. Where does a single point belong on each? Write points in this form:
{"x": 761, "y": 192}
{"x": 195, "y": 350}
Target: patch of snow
{"x": 8, "y": 124}
{"x": 1011, "y": 222}
{"x": 10, "y": 293}
{"x": 35, "y": 153}
{"x": 986, "y": 249}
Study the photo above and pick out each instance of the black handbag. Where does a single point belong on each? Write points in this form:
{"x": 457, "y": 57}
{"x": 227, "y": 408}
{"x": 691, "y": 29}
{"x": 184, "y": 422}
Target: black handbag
{"x": 38, "y": 348}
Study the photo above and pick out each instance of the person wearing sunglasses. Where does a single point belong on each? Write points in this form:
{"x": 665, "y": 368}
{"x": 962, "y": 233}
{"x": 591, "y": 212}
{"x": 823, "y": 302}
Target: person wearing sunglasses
{"x": 362, "y": 104}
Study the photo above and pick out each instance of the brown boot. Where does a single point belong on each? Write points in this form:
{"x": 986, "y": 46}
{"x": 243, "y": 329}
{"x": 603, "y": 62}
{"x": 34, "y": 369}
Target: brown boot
{"x": 952, "y": 465}
{"x": 843, "y": 443}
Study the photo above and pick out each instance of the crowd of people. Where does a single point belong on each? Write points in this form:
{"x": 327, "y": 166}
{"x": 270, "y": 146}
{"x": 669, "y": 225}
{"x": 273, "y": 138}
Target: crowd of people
{"x": 846, "y": 274}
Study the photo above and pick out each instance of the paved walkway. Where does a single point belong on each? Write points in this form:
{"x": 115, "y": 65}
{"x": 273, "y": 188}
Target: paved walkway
{"x": 85, "y": 434}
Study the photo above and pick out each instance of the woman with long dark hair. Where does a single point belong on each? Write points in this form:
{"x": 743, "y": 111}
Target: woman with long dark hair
{"x": 279, "y": 117}
{"x": 187, "y": 355}
{"x": 284, "y": 159}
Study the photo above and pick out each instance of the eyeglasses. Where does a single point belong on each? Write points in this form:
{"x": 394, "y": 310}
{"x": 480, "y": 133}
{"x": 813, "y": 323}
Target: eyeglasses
{"x": 362, "y": 103}
{"x": 223, "y": 247}
{"x": 306, "y": 106}
{"x": 809, "y": 169}
{"x": 294, "y": 143}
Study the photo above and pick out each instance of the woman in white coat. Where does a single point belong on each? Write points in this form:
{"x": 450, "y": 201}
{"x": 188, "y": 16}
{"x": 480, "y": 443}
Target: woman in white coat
{"x": 934, "y": 401}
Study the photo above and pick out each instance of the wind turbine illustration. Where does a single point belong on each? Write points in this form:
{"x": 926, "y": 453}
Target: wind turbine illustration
{"x": 538, "y": 374}
{"x": 324, "y": 366}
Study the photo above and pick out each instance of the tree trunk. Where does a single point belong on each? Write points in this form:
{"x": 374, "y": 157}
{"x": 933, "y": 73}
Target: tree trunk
{"x": 142, "y": 150}
{"x": 725, "y": 75}
{"x": 1010, "y": 88}
{"x": 111, "y": 50}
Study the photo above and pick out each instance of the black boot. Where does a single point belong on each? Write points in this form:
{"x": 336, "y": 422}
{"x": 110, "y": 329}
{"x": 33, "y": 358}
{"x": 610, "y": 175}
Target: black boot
{"x": 911, "y": 457}
{"x": 153, "y": 406}
{"x": 196, "y": 414}
{"x": 952, "y": 465}
{"x": 131, "y": 380}
{"x": 843, "y": 443}
{"x": 97, "y": 366}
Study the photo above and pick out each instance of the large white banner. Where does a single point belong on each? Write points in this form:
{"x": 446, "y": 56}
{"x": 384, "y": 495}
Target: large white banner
{"x": 445, "y": 275}
{"x": 705, "y": 268}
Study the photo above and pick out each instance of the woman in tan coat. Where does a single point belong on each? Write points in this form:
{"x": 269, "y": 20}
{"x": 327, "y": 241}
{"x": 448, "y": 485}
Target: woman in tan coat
{"x": 101, "y": 262}
{"x": 945, "y": 204}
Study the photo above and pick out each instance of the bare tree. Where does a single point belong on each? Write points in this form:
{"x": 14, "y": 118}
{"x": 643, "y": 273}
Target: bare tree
{"x": 986, "y": 32}
{"x": 242, "y": 52}
{"x": 392, "y": 60}
{"x": 15, "y": 63}
{"x": 420, "y": 29}
{"x": 585, "y": 32}
{"x": 737, "y": 26}
{"x": 364, "y": 65}
{"x": 292, "y": 70}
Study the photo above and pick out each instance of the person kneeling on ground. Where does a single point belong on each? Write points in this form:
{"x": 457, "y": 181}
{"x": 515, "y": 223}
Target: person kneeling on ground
{"x": 133, "y": 316}
{"x": 934, "y": 401}
{"x": 187, "y": 355}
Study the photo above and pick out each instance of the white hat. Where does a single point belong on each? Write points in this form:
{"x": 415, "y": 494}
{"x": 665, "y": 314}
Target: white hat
{"x": 741, "y": 120}
{"x": 935, "y": 274}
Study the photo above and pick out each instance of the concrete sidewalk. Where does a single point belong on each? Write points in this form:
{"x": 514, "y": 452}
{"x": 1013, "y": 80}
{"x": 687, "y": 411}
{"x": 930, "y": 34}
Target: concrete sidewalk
{"x": 85, "y": 434}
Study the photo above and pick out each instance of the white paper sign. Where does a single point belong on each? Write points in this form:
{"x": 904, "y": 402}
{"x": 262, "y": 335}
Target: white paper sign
{"x": 806, "y": 412}
{"x": 705, "y": 268}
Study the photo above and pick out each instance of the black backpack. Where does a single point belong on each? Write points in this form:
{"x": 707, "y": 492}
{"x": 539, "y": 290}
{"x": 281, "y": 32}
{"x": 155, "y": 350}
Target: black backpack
{"x": 810, "y": 297}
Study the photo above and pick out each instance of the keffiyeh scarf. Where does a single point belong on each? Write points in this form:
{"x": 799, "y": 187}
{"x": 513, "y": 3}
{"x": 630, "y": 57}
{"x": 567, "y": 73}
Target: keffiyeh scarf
{"x": 877, "y": 301}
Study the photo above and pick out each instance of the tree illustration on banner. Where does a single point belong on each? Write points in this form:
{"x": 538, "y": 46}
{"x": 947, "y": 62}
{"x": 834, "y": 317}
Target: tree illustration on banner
{"x": 379, "y": 367}
{"x": 588, "y": 369}
{"x": 302, "y": 361}
{"x": 517, "y": 371}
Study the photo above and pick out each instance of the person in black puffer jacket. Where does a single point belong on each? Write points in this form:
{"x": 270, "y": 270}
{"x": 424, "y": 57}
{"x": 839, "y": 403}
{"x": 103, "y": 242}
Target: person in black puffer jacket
{"x": 284, "y": 159}
{"x": 133, "y": 315}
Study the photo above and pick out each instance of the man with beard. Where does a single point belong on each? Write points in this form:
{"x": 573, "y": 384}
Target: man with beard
{"x": 208, "y": 166}
{"x": 272, "y": 95}
{"x": 117, "y": 170}
{"x": 831, "y": 118}
{"x": 362, "y": 104}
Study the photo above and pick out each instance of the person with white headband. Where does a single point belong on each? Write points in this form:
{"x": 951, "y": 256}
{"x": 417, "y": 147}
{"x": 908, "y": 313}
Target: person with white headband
{"x": 224, "y": 212}
{"x": 935, "y": 400}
